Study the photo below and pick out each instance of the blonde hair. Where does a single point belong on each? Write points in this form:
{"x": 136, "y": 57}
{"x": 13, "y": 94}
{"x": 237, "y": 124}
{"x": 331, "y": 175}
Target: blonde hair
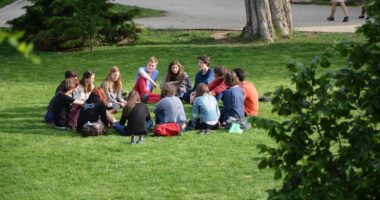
{"x": 114, "y": 84}
{"x": 153, "y": 59}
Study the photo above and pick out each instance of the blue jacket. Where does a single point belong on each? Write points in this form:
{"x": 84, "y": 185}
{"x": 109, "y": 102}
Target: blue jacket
{"x": 233, "y": 103}
{"x": 205, "y": 108}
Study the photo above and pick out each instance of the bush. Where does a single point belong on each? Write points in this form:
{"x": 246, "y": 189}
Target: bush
{"x": 67, "y": 24}
{"x": 329, "y": 143}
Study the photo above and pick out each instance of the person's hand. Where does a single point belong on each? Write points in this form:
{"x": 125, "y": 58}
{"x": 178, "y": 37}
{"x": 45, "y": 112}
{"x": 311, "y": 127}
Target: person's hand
{"x": 154, "y": 85}
{"x": 122, "y": 104}
{"x": 212, "y": 93}
{"x": 192, "y": 97}
{"x": 182, "y": 89}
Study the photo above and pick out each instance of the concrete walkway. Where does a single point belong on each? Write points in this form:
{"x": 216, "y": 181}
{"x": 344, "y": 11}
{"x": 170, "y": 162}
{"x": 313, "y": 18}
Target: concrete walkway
{"x": 219, "y": 14}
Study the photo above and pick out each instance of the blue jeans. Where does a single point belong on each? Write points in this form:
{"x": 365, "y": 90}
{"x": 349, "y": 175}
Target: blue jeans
{"x": 120, "y": 128}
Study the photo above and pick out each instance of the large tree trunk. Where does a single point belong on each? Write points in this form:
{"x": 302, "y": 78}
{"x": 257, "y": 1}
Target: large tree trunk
{"x": 268, "y": 18}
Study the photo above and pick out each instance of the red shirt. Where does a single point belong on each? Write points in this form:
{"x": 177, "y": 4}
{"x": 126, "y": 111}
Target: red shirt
{"x": 217, "y": 86}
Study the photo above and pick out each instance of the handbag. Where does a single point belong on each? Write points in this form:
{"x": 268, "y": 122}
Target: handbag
{"x": 167, "y": 129}
{"x": 93, "y": 129}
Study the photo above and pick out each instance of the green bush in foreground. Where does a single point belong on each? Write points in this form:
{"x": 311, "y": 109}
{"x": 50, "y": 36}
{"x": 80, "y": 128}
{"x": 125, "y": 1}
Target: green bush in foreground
{"x": 329, "y": 147}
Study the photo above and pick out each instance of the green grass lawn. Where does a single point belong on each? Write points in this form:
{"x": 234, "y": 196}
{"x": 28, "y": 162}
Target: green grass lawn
{"x": 39, "y": 162}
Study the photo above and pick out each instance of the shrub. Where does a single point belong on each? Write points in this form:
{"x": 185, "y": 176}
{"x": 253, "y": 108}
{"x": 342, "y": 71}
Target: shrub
{"x": 328, "y": 145}
{"x": 67, "y": 24}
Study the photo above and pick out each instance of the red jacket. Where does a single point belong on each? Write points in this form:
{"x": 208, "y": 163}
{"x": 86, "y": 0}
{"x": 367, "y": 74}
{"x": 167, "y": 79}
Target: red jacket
{"x": 217, "y": 86}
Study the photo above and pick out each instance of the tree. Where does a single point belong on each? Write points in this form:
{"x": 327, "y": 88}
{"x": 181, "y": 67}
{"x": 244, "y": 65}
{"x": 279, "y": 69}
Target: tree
{"x": 268, "y": 18}
{"x": 67, "y": 24}
{"x": 328, "y": 143}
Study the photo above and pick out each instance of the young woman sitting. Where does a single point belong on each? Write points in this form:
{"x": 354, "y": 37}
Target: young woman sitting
{"x": 205, "y": 112}
{"x": 94, "y": 109}
{"x": 138, "y": 117}
{"x": 61, "y": 104}
{"x": 233, "y": 99}
{"x": 177, "y": 76}
{"x": 217, "y": 86}
{"x": 112, "y": 87}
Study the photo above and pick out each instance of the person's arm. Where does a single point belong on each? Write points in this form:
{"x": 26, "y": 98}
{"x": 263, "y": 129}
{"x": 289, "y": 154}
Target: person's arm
{"x": 158, "y": 107}
{"x": 103, "y": 114}
{"x": 107, "y": 92}
{"x": 188, "y": 82}
{"x": 78, "y": 102}
{"x": 143, "y": 73}
{"x": 123, "y": 119}
{"x": 219, "y": 88}
{"x": 210, "y": 77}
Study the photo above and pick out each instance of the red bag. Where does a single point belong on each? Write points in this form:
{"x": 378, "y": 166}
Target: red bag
{"x": 74, "y": 114}
{"x": 167, "y": 129}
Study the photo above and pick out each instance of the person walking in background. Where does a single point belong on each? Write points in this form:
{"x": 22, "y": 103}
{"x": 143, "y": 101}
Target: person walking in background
{"x": 251, "y": 97}
{"x": 362, "y": 15}
{"x": 138, "y": 117}
{"x": 177, "y": 76}
{"x": 146, "y": 81}
{"x": 112, "y": 87}
{"x": 333, "y": 10}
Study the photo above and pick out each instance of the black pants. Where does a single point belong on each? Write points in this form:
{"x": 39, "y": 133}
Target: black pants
{"x": 201, "y": 125}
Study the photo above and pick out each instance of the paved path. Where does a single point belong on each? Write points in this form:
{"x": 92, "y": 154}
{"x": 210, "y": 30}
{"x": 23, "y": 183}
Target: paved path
{"x": 220, "y": 14}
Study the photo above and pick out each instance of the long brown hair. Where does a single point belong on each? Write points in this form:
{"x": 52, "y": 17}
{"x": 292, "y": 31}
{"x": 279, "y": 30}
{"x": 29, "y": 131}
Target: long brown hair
{"x": 86, "y": 87}
{"x": 230, "y": 79}
{"x": 114, "y": 84}
{"x": 180, "y": 76}
{"x": 202, "y": 88}
{"x": 98, "y": 91}
{"x": 133, "y": 99}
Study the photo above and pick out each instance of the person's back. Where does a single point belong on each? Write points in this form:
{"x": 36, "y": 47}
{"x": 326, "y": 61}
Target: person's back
{"x": 93, "y": 110}
{"x": 251, "y": 99}
{"x": 172, "y": 109}
{"x": 207, "y": 108}
{"x": 233, "y": 103}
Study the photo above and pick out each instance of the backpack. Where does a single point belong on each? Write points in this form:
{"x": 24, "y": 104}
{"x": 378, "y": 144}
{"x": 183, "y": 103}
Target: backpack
{"x": 93, "y": 129}
{"x": 167, "y": 129}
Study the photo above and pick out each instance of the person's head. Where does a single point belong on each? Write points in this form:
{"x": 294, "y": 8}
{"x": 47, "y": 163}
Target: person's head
{"x": 114, "y": 79}
{"x": 240, "y": 74}
{"x": 168, "y": 90}
{"x": 132, "y": 100}
{"x": 175, "y": 71}
{"x": 203, "y": 62}
{"x": 98, "y": 91}
{"x": 69, "y": 85}
{"x": 202, "y": 88}
{"x": 230, "y": 79}
{"x": 152, "y": 64}
{"x": 71, "y": 74}
{"x": 220, "y": 72}
{"x": 87, "y": 80}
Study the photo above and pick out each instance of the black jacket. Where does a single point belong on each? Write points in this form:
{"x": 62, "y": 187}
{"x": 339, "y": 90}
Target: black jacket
{"x": 91, "y": 111}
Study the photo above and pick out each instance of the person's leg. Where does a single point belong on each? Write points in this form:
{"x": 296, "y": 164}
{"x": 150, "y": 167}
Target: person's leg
{"x": 344, "y": 8}
{"x": 141, "y": 139}
{"x": 140, "y": 86}
{"x": 333, "y": 10}
{"x": 153, "y": 98}
{"x": 119, "y": 128}
{"x": 132, "y": 139}
{"x": 160, "y": 117}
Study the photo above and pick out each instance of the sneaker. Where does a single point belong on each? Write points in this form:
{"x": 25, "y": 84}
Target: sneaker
{"x": 201, "y": 131}
{"x": 206, "y": 132}
{"x": 361, "y": 17}
{"x": 62, "y": 128}
{"x": 345, "y": 19}
{"x": 330, "y": 19}
{"x": 140, "y": 142}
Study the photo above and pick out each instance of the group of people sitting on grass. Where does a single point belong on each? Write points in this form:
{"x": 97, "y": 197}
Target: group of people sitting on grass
{"x": 76, "y": 103}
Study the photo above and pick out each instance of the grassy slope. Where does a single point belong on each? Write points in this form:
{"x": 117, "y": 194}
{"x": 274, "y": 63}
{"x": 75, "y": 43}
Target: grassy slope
{"x": 39, "y": 162}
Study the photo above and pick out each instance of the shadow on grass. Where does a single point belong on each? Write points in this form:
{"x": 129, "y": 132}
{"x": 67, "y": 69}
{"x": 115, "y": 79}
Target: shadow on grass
{"x": 28, "y": 120}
